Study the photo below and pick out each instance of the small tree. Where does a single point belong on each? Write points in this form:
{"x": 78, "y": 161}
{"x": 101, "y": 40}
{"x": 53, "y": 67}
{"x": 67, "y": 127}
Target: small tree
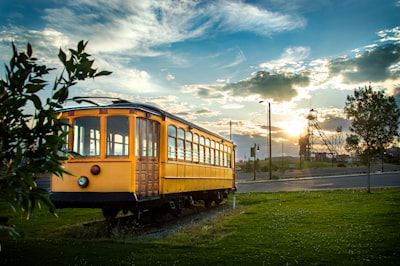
{"x": 30, "y": 144}
{"x": 374, "y": 122}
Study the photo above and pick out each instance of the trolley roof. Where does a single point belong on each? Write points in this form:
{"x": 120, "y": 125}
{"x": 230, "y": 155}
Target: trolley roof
{"x": 123, "y": 104}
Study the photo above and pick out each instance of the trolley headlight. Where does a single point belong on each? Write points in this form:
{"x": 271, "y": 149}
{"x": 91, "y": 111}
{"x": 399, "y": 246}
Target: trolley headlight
{"x": 95, "y": 169}
{"x": 83, "y": 181}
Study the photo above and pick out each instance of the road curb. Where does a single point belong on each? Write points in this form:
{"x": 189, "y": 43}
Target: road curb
{"x": 310, "y": 177}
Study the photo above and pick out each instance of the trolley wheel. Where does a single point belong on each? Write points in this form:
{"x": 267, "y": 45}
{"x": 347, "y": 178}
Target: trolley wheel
{"x": 218, "y": 201}
{"x": 218, "y": 198}
{"x": 207, "y": 203}
{"x": 109, "y": 214}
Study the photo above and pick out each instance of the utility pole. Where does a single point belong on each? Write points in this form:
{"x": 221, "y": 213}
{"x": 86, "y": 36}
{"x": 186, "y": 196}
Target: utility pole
{"x": 270, "y": 141}
{"x": 253, "y": 153}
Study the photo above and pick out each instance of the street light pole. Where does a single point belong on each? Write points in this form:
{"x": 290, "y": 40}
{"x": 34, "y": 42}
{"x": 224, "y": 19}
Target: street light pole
{"x": 269, "y": 139}
{"x": 253, "y": 153}
{"x": 254, "y": 162}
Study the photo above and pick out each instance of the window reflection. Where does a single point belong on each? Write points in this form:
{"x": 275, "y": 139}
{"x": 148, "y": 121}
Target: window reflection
{"x": 117, "y": 136}
{"x": 87, "y": 136}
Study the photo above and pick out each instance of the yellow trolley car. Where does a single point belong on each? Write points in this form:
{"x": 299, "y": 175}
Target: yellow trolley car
{"x": 134, "y": 157}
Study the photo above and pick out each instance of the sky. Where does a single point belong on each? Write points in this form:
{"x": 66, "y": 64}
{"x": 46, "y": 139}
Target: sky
{"x": 212, "y": 62}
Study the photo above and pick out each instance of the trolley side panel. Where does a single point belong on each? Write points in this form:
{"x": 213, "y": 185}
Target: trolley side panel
{"x": 178, "y": 178}
{"x": 114, "y": 177}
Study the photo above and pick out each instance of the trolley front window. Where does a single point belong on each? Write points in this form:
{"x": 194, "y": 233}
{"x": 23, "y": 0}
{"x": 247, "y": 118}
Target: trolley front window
{"x": 87, "y": 136}
{"x": 63, "y": 149}
{"x": 117, "y": 136}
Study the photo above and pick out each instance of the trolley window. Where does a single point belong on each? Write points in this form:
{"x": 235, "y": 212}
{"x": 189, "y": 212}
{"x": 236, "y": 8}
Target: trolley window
{"x": 86, "y": 136}
{"x": 196, "y": 148}
{"x": 181, "y": 144}
{"x": 63, "y": 148}
{"x": 212, "y": 152}
{"x": 207, "y": 152}
{"x": 202, "y": 150}
{"x": 229, "y": 158}
{"x": 188, "y": 146}
{"x": 217, "y": 157}
{"x": 117, "y": 136}
{"x": 154, "y": 136}
{"x": 147, "y": 137}
{"x": 225, "y": 156}
{"x": 172, "y": 142}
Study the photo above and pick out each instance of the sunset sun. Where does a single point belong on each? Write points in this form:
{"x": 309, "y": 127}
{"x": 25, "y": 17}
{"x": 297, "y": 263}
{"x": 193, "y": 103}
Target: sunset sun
{"x": 294, "y": 128}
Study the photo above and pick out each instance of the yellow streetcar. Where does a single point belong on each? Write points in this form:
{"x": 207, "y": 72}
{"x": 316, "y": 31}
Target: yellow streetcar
{"x": 135, "y": 157}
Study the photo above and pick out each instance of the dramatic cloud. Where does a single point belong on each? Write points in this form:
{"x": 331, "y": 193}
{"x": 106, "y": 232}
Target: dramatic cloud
{"x": 134, "y": 26}
{"x": 388, "y": 35}
{"x": 197, "y": 114}
{"x": 141, "y": 26}
{"x": 291, "y": 58}
{"x": 204, "y": 91}
{"x": 212, "y": 61}
{"x": 280, "y": 87}
{"x": 334, "y": 123}
{"x": 375, "y": 65}
{"x": 230, "y": 17}
{"x": 264, "y": 85}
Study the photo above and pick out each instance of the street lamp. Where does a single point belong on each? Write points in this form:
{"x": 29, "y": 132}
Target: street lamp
{"x": 270, "y": 139}
{"x": 253, "y": 153}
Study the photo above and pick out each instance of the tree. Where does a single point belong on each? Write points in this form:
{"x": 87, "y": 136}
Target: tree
{"x": 374, "y": 123}
{"x": 31, "y": 144}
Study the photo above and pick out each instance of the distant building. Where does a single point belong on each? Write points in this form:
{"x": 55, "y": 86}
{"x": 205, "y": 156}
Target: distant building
{"x": 393, "y": 155}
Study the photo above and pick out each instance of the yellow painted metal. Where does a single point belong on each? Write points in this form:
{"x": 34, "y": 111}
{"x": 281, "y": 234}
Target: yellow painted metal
{"x": 120, "y": 175}
{"x": 183, "y": 177}
{"x": 115, "y": 176}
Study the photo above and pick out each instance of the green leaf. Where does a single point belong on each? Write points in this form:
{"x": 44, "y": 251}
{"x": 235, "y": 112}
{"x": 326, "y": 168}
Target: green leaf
{"x": 81, "y": 46}
{"x": 52, "y": 140}
{"x": 29, "y": 50}
{"x": 103, "y": 73}
{"x": 36, "y": 101}
{"x": 79, "y": 100}
{"x": 62, "y": 56}
{"x": 37, "y": 80}
{"x": 33, "y": 88}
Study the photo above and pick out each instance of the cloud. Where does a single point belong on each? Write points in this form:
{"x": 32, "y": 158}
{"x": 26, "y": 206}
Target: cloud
{"x": 279, "y": 87}
{"x": 235, "y": 16}
{"x": 170, "y": 77}
{"x": 388, "y": 35}
{"x": 140, "y": 27}
{"x": 335, "y": 124}
{"x": 134, "y": 26}
{"x": 292, "y": 57}
{"x": 196, "y": 113}
{"x": 204, "y": 91}
{"x": 45, "y": 43}
{"x": 374, "y": 65}
{"x": 263, "y": 85}
{"x": 239, "y": 58}
{"x": 233, "y": 106}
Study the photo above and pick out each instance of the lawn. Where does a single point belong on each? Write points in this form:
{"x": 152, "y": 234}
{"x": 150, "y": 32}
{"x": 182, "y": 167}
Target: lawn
{"x": 343, "y": 227}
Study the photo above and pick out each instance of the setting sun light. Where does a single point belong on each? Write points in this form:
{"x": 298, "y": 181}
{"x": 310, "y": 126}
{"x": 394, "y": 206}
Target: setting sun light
{"x": 294, "y": 128}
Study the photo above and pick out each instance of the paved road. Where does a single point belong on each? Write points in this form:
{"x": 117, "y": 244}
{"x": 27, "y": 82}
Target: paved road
{"x": 348, "y": 181}
{"x": 309, "y": 179}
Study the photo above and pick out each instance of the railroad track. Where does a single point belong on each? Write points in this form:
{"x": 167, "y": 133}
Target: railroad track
{"x": 148, "y": 226}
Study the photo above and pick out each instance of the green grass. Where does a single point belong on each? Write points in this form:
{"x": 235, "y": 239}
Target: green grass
{"x": 343, "y": 227}
{"x": 278, "y": 164}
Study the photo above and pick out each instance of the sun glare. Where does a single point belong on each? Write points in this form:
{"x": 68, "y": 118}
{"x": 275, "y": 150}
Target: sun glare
{"x": 294, "y": 128}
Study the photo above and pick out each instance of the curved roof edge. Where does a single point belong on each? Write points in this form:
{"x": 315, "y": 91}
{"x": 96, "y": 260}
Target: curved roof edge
{"x": 120, "y": 104}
